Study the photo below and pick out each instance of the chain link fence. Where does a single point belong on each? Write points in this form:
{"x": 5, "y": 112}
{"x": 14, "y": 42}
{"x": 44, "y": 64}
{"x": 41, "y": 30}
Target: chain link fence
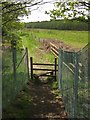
{"x": 14, "y": 73}
{"x": 73, "y": 82}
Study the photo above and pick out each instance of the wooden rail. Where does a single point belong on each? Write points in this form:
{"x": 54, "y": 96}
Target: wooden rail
{"x": 48, "y": 71}
{"x": 54, "y": 49}
{"x": 71, "y": 67}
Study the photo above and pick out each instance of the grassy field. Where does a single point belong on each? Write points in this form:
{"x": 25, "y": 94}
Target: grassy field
{"x": 77, "y": 39}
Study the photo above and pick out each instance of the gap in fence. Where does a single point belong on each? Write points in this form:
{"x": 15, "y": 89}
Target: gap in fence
{"x": 46, "y": 72}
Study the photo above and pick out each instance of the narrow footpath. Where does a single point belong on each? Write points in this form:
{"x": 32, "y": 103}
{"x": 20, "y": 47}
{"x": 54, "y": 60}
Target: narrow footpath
{"x": 45, "y": 103}
{"x": 37, "y": 101}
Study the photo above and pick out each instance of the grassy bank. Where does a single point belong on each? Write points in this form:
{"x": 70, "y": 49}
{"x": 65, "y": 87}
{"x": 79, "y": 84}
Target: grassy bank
{"x": 30, "y": 41}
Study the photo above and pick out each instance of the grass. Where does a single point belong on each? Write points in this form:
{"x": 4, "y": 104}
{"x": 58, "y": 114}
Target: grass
{"x": 76, "y": 39}
{"x": 19, "y": 108}
{"x": 11, "y": 86}
{"x": 30, "y": 41}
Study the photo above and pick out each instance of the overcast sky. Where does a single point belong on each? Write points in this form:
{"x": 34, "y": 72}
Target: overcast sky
{"x": 39, "y": 14}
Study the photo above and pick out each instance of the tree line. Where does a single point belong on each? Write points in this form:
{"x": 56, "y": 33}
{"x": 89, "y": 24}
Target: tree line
{"x": 12, "y": 11}
{"x": 59, "y": 25}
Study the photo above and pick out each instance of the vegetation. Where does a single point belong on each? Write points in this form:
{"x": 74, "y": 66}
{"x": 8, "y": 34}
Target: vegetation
{"x": 59, "y": 25}
{"x": 68, "y": 9}
{"x": 30, "y": 41}
{"x": 11, "y": 13}
{"x": 77, "y": 39}
{"x": 11, "y": 85}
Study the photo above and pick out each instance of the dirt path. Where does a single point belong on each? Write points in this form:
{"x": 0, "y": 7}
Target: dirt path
{"x": 45, "y": 103}
{"x": 37, "y": 101}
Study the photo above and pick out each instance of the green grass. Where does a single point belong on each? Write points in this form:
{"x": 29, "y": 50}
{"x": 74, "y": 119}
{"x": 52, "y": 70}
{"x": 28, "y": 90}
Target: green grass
{"x": 30, "y": 41}
{"x": 11, "y": 86}
{"x": 76, "y": 39}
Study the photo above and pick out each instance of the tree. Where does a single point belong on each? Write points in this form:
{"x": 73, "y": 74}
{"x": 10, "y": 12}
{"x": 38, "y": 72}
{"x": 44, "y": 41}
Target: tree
{"x": 11, "y": 11}
{"x": 71, "y": 9}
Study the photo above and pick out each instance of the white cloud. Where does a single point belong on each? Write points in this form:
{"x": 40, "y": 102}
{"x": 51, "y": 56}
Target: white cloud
{"x": 39, "y": 14}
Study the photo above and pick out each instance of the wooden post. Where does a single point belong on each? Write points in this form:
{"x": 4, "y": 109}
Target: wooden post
{"x": 14, "y": 63}
{"x": 55, "y": 67}
{"x": 13, "y": 45}
{"x": 27, "y": 62}
{"x": 60, "y": 63}
{"x": 31, "y": 63}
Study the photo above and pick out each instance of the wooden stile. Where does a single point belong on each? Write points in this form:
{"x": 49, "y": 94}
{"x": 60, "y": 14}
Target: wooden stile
{"x": 47, "y": 70}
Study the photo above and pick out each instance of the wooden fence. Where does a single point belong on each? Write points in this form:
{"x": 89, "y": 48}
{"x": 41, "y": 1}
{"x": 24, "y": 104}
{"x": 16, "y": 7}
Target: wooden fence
{"x": 48, "y": 71}
{"x": 54, "y": 49}
{"x": 71, "y": 67}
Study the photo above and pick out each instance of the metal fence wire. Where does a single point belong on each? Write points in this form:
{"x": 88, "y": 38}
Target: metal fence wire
{"x": 14, "y": 73}
{"x": 74, "y": 83}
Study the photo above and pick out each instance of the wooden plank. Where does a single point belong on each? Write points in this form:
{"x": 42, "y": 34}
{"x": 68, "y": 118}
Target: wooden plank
{"x": 46, "y": 73}
{"x": 80, "y": 64}
{"x": 54, "y": 53}
{"x": 72, "y": 65}
{"x": 68, "y": 67}
{"x": 44, "y": 64}
{"x": 54, "y": 50}
{"x": 52, "y": 45}
{"x": 41, "y": 69}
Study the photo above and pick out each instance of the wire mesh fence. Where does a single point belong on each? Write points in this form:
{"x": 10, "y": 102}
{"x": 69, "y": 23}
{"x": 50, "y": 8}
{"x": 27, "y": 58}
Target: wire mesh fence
{"x": 74, "y": 83}
{"x": 14, "y": 73}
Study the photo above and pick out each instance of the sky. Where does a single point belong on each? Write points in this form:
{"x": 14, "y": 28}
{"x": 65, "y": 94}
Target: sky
{"x": 39, "y": 14}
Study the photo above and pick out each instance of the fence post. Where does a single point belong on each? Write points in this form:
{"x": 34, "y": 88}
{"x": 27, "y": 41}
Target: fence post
{"x": 27, "y": 62}
{"x": 31, "y": 63}
{"x": 60, "y": 61}
{"x": 55, "y": 68}
{"x": 76, "y": 86}
{"x": 13, "y": 45}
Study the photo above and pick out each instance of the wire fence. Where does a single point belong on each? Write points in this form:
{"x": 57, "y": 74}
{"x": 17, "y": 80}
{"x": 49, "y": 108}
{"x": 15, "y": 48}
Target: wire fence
{"x": 14, "y": 73}
{"x": 74, "y": 82}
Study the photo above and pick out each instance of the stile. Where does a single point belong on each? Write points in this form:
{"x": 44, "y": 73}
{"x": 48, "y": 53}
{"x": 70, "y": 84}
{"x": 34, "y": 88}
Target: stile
{"x": 53, "y": 70}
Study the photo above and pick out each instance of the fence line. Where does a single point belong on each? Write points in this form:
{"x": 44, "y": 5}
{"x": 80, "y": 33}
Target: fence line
{"x": 15, "y": 75}
{"x": 20, "y": 61}
{"x": 73, "y": 82}
{"x": 71, "y": 66}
